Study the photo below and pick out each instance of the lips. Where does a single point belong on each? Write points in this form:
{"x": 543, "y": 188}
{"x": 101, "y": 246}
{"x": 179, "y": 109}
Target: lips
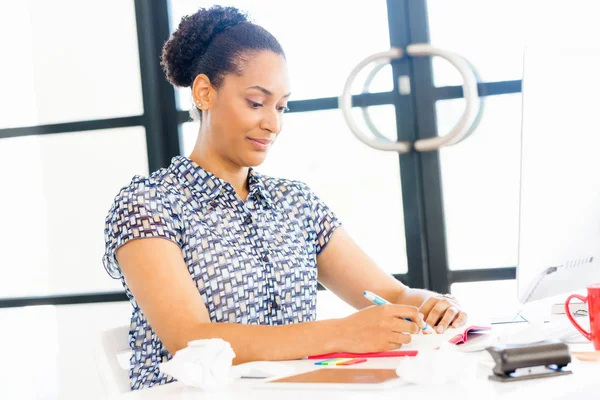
{"x": 262, "y": 141}
{"x": 260, "y": 144}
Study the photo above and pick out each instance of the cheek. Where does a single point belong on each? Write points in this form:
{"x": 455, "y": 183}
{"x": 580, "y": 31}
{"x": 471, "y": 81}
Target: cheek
{"x": 236, "y": 118}
{"x": 248, "y": 118}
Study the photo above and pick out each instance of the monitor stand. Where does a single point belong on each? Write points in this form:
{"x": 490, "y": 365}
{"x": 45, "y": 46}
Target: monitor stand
{"x": 575, "y": 308}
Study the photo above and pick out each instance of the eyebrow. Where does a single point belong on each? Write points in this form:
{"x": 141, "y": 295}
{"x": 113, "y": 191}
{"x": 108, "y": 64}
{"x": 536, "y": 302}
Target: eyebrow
{"x": 266, "y": 91}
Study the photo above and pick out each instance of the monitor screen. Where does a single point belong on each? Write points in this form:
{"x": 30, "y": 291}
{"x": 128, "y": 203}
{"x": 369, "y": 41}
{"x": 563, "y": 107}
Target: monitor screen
{"x": 559, "y": 219}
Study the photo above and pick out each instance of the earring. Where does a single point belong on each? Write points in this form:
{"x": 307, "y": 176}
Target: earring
{"x": 199, "y": 104}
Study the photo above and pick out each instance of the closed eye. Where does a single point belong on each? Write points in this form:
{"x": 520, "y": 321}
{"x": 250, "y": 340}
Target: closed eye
{"x": 254, "y": 104}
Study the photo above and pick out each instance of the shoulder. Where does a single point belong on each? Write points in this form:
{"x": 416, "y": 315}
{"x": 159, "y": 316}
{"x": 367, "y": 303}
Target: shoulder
{"x": 145, "y": 208}
{"x": 282, "y": 188}
{"x": 158, "y": 190}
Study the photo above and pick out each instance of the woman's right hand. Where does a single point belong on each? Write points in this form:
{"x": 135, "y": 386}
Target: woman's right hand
{"x": 379, "y": 328}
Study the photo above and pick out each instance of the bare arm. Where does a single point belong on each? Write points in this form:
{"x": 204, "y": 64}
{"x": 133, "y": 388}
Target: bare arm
{"x": 348, "y": 271}
{"x": 157, "y": 276}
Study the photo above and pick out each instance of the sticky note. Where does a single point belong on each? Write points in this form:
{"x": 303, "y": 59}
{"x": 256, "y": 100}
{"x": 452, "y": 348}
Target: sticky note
{"x": 331, "y": 361}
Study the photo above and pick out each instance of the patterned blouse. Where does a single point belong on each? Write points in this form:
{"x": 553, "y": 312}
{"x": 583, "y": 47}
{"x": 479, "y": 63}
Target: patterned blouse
{"x": 253, "y": 262}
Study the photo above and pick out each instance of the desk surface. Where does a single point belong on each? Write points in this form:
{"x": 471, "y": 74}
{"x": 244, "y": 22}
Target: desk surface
{"x": 582, "y": 384}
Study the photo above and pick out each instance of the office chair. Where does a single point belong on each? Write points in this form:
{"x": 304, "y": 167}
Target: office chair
{"x": 112, "y": 360}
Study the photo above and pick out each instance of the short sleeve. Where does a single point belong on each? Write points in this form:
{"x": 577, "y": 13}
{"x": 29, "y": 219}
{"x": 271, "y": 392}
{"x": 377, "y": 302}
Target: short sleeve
{"x": 323, "y": 220}
{"x": 140, "y": 210}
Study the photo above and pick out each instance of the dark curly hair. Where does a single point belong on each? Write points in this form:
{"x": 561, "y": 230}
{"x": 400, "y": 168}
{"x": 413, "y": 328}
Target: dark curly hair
{"x": 215, "y": 41}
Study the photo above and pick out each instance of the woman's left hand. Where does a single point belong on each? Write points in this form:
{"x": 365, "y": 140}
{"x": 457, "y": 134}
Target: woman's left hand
{"x": 441, "y": 311}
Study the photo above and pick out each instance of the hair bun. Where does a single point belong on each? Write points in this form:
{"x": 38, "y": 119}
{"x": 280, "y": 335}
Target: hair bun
{"x": 192, "y": 38}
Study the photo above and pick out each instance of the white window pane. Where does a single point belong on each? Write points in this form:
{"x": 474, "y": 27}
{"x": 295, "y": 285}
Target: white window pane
{"x": 361, "y": 185}
{"x": 489, "y": 300}
{"x": 330, "y": 306}
{"x": 493, "y": 34}
{"x": 323, "y": 40}
{"x": 68, "y": 60}
{"x": 61, "y": 188}
{"x": 188, "y": 133}
{"x": 480, "y": 183}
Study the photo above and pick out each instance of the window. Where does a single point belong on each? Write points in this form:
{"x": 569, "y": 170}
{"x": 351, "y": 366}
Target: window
{"x": 436, "y": 220}
{"x": 310, "y": 32}
{"x": 503, "y": 30}
{"x": 68, "y": 66}
{"x": 480, "y": 181}
{"x": 61, "y": 187}
{"x": 71, "y": 135}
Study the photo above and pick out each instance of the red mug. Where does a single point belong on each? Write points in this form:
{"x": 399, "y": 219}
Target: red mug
{"x": 593, "y": 303}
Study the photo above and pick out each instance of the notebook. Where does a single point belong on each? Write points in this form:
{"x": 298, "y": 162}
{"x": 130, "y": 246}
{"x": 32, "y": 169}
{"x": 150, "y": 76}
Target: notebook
{"x": 473, "y": 338}
{"x": 339, "y": 378}
{"x": 470, "y": 332}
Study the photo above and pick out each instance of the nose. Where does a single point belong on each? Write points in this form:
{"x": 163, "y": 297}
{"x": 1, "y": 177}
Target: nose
{"x": 271, "y": 121}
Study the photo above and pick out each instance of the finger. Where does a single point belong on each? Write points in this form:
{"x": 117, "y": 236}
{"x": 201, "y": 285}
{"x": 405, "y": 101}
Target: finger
{"x": 403, "y": 311}
{"x": 399, "y": 339}
{"x": 437, "y": 312}
{"x": 460, "y": 319}
{"x": 403, "y": 326}
{"x": 410, "y": 312}
{"x": 449, "y": 315}
{"x": 428, "y": 305}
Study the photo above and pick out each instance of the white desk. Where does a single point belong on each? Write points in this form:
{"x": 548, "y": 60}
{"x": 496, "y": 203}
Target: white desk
{"x": 584, "y": 383}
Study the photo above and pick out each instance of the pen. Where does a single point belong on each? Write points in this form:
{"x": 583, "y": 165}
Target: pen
{"x": 373, "y": 298}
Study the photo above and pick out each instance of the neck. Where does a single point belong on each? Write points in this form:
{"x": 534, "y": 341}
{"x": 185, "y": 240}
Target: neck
{"x": 212, "y": 162}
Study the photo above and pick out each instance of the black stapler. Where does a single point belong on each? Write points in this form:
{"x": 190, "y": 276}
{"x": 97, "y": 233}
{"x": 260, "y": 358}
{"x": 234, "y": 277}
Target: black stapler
{"x": 520, "y": 362}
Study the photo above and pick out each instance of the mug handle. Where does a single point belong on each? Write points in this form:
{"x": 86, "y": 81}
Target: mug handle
{"x": 585, "y": 333}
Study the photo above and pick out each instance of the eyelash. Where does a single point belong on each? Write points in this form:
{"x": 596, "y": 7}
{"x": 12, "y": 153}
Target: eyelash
{"x": 257, "y": 105}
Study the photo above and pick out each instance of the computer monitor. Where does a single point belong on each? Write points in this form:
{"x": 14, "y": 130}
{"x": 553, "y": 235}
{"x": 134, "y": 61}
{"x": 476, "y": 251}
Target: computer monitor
{"x": 559, "y": 216}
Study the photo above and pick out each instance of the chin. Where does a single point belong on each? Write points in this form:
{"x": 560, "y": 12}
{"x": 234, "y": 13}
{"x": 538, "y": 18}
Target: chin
{"x": 254, "y": 160}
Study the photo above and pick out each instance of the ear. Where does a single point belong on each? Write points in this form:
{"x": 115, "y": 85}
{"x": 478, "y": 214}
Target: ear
{"x": 202, "y": 92}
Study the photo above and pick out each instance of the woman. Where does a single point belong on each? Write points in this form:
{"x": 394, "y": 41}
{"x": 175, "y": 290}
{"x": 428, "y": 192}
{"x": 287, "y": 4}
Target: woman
{"x": 251, "y": 244}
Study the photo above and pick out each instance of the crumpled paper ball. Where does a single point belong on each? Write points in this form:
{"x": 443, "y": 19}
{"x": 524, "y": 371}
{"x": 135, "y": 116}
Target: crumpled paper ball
{"x": 204, "y": 364}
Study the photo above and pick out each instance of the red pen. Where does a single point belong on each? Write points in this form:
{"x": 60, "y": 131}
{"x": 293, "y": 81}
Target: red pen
{"x": 392, "y": 353}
